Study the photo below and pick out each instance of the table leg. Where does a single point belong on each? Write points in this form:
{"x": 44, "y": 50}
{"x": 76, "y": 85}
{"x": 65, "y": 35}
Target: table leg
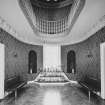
{"x": 16, "y": 93}
{"x": 89, "y": 95}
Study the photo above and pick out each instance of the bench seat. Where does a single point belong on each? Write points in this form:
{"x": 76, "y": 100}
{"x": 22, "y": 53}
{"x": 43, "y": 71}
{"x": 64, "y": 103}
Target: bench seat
{"x": 13, "y": 84}
{"x": 91, "y": 84}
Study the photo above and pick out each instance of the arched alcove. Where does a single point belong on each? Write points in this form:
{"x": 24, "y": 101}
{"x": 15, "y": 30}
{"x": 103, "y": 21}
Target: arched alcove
{"x": 32, "y": 62}
{"x": 71, "y": 62}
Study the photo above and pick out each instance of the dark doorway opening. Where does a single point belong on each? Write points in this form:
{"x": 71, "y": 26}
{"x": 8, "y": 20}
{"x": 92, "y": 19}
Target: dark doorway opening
{"x": 32, "y": 62}
{"x": 71, "y": 62}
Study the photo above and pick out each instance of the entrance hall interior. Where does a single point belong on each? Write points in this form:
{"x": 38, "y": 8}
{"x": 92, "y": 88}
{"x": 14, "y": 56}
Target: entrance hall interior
{"x": 52, "y": 52}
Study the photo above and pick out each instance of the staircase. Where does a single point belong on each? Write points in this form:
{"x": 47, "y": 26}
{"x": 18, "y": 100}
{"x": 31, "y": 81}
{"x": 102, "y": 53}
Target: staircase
{"x": 49, "y": 78}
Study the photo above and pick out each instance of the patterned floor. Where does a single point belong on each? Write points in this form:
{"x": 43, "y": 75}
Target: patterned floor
{"x": 70, "y": 94}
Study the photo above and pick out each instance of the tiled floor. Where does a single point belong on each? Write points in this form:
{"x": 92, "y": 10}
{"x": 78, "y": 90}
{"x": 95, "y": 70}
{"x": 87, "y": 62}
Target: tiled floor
{"x": 70, "y": 94}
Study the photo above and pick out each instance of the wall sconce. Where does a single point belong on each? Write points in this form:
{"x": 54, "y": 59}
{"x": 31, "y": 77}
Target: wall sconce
{"x": 15, "y": 54}
{"x": 89, "y": 55}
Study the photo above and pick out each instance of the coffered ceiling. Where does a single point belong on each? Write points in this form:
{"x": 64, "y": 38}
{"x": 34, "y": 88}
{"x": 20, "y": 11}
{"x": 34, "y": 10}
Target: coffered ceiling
{"x": 89, "y": 19}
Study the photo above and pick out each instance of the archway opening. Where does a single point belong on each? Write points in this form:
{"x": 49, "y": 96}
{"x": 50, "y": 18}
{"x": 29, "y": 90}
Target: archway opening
{"x": 71, "y": 62}
{"x": 32, "y": 62}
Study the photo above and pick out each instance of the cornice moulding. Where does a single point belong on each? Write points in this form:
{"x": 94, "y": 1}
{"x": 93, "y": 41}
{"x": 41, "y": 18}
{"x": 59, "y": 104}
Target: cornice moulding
{"x": 5, "y": 26}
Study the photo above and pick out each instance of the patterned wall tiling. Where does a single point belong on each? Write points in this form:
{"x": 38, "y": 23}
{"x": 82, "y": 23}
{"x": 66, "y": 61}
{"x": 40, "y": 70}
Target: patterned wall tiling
{"x": 16, "y": 55}
{"x": 87, "y": 55}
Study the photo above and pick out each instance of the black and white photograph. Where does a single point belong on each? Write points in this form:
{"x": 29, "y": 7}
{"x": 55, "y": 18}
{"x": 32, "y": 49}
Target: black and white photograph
{"x": 52, "y": 52}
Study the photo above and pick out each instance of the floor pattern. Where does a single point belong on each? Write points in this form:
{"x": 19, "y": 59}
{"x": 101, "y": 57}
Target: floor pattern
{"x": 70, "y": 94}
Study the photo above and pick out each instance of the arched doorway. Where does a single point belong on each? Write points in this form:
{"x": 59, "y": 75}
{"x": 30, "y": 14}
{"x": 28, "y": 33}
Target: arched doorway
{"x": 71, "y": 62}
{"x": 32, "y": 62}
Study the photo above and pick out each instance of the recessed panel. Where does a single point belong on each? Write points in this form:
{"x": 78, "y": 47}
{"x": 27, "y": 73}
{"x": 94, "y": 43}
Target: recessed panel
{"x": 51, "y": 56}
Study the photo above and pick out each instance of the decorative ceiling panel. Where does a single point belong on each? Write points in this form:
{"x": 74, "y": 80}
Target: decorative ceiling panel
{"x": 81, "y": 25}
{"x": 51, "y": 20}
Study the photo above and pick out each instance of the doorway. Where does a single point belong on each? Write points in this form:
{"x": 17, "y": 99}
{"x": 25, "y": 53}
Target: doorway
{"x": 32, "y": 62}
{"x": 102, "y": 68}
{"x": 71, "y": 62}
{"x": 2, "y": 70}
